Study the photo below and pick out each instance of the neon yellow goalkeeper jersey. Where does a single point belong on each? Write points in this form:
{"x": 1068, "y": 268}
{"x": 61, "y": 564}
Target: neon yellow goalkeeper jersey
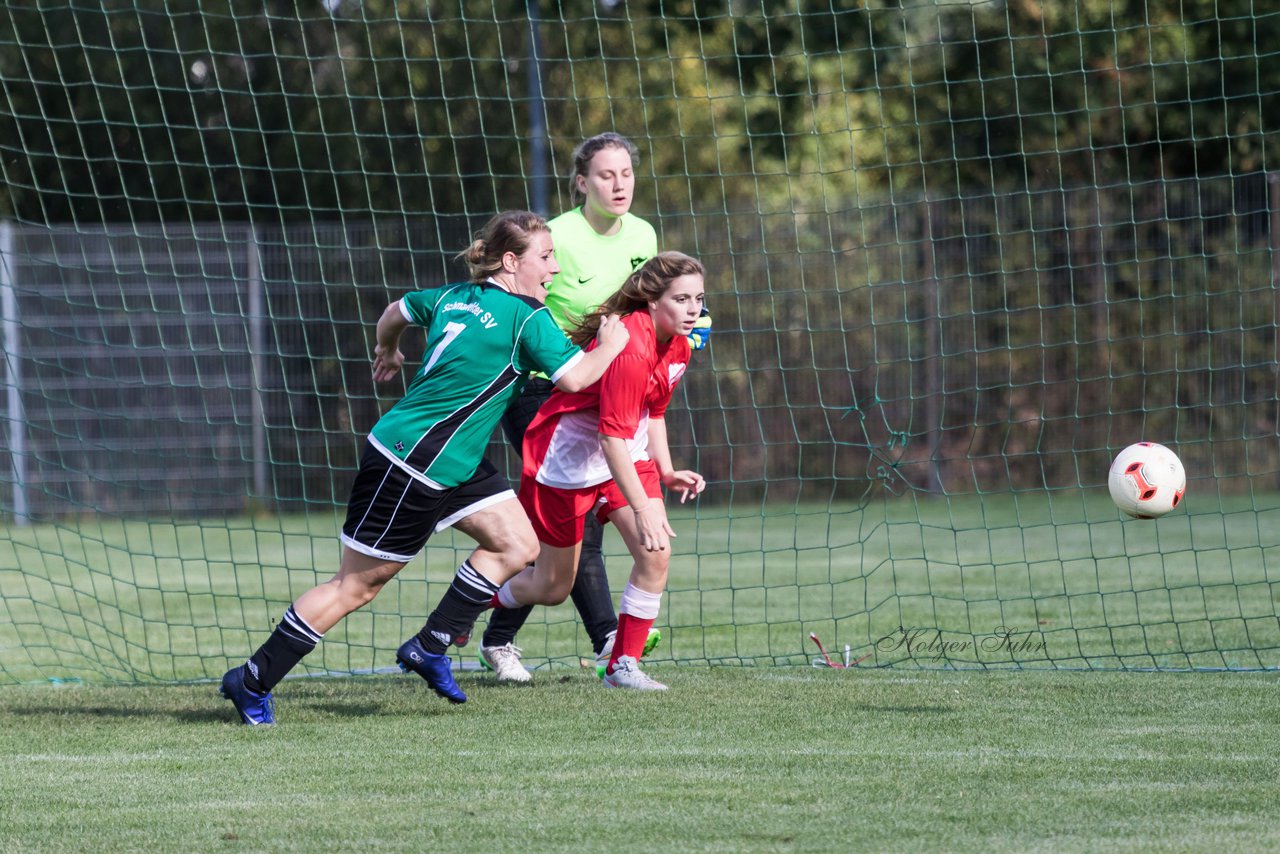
{"x": 592, "y": 267}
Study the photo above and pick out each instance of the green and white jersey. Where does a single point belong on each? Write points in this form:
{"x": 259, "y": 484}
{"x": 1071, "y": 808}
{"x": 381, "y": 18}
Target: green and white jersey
{"x": 593, "y": 266}
{"x": 482, "y": 343}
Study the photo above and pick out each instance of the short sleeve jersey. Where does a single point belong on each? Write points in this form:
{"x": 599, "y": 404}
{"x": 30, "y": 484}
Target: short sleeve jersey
{"x": 593, "y": 266}
{"x": 482, "y": 343}
{"x": 562, "y": 444}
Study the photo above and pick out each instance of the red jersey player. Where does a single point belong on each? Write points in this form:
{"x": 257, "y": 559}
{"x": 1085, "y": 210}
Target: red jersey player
{"x": 604, "y": 450}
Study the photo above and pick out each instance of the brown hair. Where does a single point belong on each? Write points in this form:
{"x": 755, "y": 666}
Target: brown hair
{"x": 588, "y": 149}
{"x": 642, "y": 287}
{"x": 509, "y": 231}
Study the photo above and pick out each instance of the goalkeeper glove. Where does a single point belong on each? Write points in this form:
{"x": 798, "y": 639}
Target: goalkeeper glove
{"x": 701, "y": 332}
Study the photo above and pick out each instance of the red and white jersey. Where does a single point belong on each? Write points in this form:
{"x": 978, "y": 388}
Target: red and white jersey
{"x": 562, "y": 443}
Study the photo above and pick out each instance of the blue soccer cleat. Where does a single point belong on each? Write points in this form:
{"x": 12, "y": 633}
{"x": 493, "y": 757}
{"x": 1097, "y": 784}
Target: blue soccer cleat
{"x": 255, "y": 709}
{"x": 433, "y": 667}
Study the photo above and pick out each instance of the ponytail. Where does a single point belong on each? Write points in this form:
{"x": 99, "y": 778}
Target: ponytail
{"x": 509, "y": 231}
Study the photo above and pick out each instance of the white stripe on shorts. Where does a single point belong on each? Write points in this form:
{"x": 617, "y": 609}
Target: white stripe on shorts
{"x": 496, "y": 498}
{"x": 371, "y": 552}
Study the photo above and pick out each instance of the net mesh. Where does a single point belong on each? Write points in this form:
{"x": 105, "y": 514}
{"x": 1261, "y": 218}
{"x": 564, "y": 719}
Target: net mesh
{"x": 960, "y": 255}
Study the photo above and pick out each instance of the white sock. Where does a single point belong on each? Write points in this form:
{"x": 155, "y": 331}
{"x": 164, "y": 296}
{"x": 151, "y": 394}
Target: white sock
{"x": 507, "y": 598}
{"x": 637, "y": 602}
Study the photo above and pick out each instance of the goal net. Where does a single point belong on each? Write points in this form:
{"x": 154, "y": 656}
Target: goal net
{"x": 959, "y": 255}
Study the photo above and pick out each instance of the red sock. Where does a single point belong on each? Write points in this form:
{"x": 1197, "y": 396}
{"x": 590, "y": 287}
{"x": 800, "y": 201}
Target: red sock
{"x": 632, "y": 633}
{"x": 495, "y": 602}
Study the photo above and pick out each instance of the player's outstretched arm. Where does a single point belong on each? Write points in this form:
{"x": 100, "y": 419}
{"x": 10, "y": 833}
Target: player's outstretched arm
{"x": 387, "y": 358}
{"x": 611, "y": 339}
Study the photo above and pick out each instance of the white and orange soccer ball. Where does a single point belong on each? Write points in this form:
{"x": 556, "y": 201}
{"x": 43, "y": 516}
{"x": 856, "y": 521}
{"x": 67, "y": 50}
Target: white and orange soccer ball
{"x": 1147, "y": 480}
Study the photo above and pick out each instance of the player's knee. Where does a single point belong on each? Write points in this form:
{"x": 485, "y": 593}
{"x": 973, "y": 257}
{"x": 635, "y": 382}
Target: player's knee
{"x": 523, "y": 551}
{"x": 515, "y": 548}
{"x": 361, "y": 593}
{"x": 558, "y": 592}
{"x": 654, "y": 564}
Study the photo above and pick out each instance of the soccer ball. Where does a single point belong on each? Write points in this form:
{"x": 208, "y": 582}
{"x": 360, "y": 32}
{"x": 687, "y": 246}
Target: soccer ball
{"x": 1147, "y": 480}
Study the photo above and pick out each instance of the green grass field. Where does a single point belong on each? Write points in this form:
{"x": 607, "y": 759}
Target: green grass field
{"x": 731, "y": 759}
{"x": 112, "y": 632}
{"x": 1068, "y": 583}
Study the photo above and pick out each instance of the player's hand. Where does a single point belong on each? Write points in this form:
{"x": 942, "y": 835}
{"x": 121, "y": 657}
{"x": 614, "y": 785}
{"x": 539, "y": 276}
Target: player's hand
{"x": 612, "y": 333}
{"x": 386, "y": 363}
{"x": 701, "y": 332}
{"x": 688, "y": 484}
{"x": 652, "y": 525}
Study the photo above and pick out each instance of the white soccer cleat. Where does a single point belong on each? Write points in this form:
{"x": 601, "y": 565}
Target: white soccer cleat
{"x": 504, "y": 661}
{"x": 627, "y": 674}
{"x": 602, "y": 660}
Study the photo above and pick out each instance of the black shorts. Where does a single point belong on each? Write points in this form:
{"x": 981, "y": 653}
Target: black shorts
{"x": 391, "y": 515}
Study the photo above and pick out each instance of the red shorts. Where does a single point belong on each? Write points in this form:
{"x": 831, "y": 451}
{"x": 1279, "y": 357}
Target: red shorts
{"x": 557, "y": 514}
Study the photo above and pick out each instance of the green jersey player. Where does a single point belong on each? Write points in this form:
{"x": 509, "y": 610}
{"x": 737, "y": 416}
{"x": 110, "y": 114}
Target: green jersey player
{"x": 472, "y": 371}
{"x": 423, "y": 468}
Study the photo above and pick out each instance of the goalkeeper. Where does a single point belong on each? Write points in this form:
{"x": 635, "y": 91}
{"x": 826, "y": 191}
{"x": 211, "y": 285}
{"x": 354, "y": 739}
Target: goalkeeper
{"x": 599, "y": 243}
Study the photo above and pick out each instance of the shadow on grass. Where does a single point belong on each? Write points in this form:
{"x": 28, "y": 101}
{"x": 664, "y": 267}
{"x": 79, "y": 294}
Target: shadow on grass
{"x": 219, "y": 710}
{"x": 100, "y": 712}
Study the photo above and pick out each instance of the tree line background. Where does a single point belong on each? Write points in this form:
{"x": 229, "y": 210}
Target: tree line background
{"x": 953, "y": 246}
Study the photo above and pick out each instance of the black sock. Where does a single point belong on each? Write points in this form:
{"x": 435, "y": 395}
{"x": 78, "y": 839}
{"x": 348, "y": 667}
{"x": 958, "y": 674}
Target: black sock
{"x": 470, "y": 595}
{"x": 291, "y": 640}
